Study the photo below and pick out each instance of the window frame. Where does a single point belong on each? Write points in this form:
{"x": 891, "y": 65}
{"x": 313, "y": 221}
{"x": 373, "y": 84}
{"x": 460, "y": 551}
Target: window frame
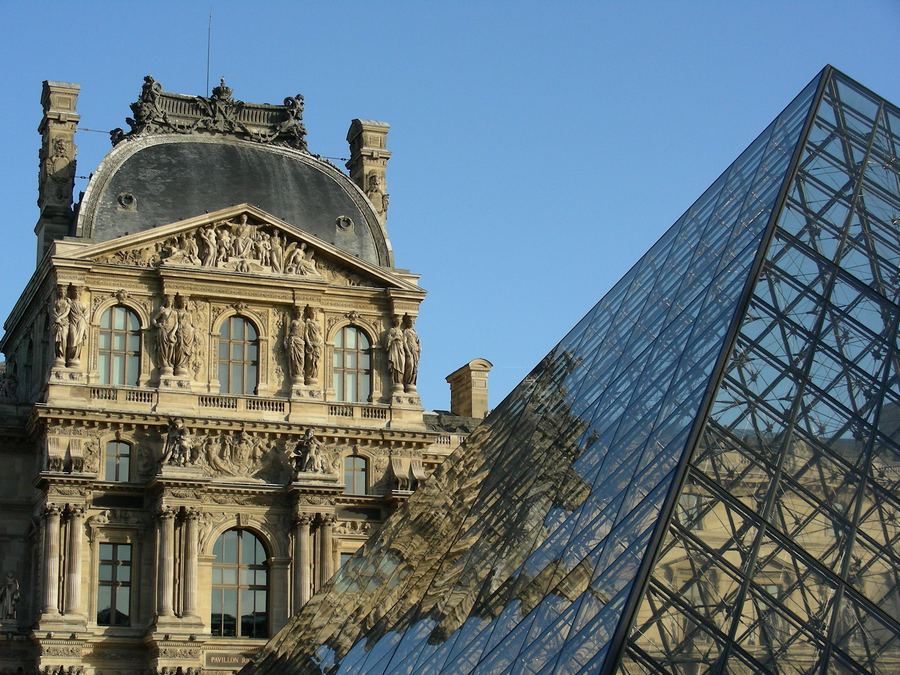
{"x": 350, "y": 486}
{"x": 342, "y": 375}
{"x": 127, "y": 456}
{"x": 222, "y": 587}
{"x": 226, "y": 343}
{"x": 114, "y": 562}
{"x": 108, "y": 354}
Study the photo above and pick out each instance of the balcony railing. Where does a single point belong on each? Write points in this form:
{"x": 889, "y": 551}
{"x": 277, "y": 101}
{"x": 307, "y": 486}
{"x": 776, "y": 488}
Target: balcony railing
{"x": 241, "y": 403}
{"x": 123, "y": 395}
{"x": 366, "y": 412}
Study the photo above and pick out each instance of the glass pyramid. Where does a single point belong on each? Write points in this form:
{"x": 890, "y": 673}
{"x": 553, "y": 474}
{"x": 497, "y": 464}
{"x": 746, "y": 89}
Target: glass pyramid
{"x": 704, "y": 474}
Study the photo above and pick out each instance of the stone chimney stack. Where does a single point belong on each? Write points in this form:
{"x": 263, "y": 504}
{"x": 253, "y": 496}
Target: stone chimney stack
{"x": 469, "y": 389}
{"x": 56, "y": 177}
{"x": 368, "y": 161}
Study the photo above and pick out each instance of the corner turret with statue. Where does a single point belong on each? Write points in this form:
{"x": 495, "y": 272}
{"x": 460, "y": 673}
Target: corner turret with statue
{"x": 210, "y": 389}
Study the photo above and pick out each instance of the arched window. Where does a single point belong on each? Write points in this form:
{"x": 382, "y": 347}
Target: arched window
{"x": 240, "y": 583}
{"x": 238, "y": 357}
{"x": 352, "y": 366}
{"x": 356, "y": 471}
{"x": 120, "y": 346}
{"x": 118, "y": 461}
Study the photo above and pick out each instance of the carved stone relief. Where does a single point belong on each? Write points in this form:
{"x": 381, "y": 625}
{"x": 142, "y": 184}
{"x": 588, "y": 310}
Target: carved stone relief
{"x": 237, "y": 244}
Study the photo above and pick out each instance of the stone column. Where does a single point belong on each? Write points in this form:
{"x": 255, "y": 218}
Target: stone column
{"x": 73, "y": 562}
{"x": 301, "y": 561}
{"x": 191, "y": 552}
{"x": 165, "y": 570}
{"x": 51, "y": 560}
{"x": 326, "y": 555}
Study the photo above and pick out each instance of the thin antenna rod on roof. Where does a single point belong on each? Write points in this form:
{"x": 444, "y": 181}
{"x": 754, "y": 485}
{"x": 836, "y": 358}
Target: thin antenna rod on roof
{"x": 208, "y": 42}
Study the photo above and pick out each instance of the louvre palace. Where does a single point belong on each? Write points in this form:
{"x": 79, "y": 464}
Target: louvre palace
{"x": 209, "y": 396}
{"x": 702, "y": 476}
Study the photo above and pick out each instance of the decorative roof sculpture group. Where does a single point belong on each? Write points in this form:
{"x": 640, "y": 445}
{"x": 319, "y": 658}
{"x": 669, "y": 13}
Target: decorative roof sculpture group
{"x": 160, "y": 112}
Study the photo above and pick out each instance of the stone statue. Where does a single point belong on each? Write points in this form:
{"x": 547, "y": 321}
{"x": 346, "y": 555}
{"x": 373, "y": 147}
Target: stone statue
{"x": 9, "y": 385}
{"x": 224, "y": 244}
{"x": 59, "y": 325}
{"x": 189, "y": 248}
{"x": 184, "y": 337}
{"x": 9, "y": 597}
{"x": 294, "y": 346}
{"x": 376, "y": 195}
{"x": 241, "y": 246}
{"x": 413, "y": 349}
{"x": 166, "y": 322}
{"x": 77, "y": 329}
{"x": 395, "y": 346}
{"x": 277, "y": 253}
{"x": 179, "y": 445}
{"x": 308, "y": 455}
{"x": 210, "y": 239}
{"x": 314, "y": 341}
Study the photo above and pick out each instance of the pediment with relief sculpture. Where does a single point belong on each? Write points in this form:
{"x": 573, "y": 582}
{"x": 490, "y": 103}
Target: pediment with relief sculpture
{"x": 247, "y": 240}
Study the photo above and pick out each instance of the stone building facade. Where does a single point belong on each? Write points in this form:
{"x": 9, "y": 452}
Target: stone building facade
{"x": 209, "y": 397}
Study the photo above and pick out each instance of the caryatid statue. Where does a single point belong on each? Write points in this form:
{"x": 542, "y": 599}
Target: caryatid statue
{"x": 9, "y": 597}
{"x": 59, "y": 325}
{"x": 76, "y": 334}
{"x": 166, "y": 322}
{"x": 184, "y": 337}
{"x": 313, "y": 335}
{"x": 413, "y": 348}
{"x": 396, "y": 353}
{"x": 295, "y": 346}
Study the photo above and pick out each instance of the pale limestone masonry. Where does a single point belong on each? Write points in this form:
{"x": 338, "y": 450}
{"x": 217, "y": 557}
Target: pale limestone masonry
{"x": 117, "y": 429}
{"x": 469, "y": 389}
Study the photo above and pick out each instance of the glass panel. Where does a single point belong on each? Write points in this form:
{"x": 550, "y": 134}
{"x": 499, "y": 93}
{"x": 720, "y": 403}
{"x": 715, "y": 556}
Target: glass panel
{"x": 350, "y": 338}
{"x": 131, "y": 372}
{"x": 104, "y": 606}
{"x": 106, "y": 319}
{"x": 123, "y": 609}
{"x": 229, "y": 612}
{"x": 229, "y": 547}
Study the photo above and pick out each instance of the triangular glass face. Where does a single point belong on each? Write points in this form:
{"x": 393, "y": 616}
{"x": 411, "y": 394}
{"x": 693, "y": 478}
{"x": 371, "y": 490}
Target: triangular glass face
{"x": 782, "y": 555}
{"x": 689, "y": 477}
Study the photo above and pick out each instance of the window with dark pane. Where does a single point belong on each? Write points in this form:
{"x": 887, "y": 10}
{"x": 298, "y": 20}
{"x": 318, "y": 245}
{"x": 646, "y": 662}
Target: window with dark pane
{"x": 239, "y": 586}
{"x": 119, "y": 353}
{"x": 345, "y": 557}
{"x": 238, "y": 357}
{"x": 118, "y": 461}
{"x": 352, "y": 366}
{"x": 114, "y": 585}
{"x": 355, "y": 473}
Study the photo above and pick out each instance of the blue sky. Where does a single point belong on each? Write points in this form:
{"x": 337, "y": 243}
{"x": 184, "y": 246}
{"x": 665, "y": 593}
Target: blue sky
{"x": 538, "y": 148}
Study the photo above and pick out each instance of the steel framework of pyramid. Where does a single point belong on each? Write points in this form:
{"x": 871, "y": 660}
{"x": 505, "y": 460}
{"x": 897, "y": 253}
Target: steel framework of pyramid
{"x": 704, "y": 474}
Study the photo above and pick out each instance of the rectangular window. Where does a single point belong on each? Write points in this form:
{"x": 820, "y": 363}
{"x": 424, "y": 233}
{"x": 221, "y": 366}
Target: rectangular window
{"x": 114, "y": 585}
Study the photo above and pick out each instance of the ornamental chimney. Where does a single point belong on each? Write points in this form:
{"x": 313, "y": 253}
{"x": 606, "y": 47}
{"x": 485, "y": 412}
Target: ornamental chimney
{"x": 368, "y": 162}
{"x": 56, "y": 175}
{"x": 469, "y": 389}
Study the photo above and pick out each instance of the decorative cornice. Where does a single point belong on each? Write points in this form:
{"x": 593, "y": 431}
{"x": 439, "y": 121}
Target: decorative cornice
{"x": 160, "y": 112}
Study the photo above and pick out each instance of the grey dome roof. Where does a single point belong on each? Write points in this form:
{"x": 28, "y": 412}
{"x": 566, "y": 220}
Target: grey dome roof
{"x": 149, "y": 181}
